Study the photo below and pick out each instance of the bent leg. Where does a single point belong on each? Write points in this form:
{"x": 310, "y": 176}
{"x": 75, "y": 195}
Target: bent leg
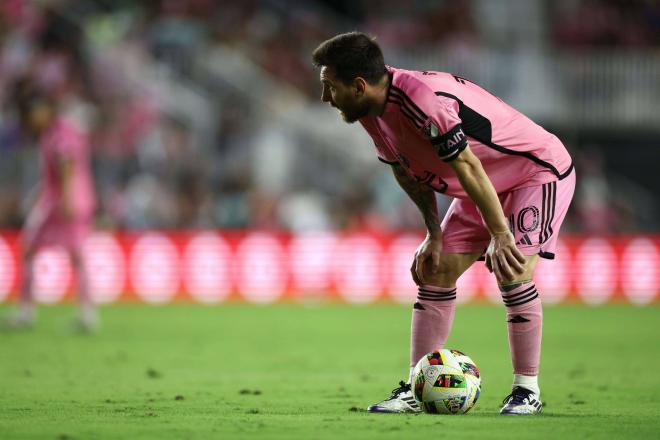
{"x": 26, "y": 295}
{"x": 433, "y": 312}
{"x": 535, "y": 214}
{"x": 87, "y": 319}
{"x": 524, "y": 324}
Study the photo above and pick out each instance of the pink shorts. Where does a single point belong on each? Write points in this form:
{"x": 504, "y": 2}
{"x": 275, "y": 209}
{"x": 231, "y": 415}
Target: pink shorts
{"x": 535, "y": 215}
{"x": 48, "y": 229}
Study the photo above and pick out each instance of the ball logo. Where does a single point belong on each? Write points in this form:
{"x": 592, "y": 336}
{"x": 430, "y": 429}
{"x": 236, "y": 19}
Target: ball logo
{"x": 431, "y": 373}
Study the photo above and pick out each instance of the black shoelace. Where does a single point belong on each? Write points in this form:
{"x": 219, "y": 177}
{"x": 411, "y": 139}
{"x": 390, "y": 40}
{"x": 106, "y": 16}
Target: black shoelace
{"x": 403, "y": 387}
{"x": 518, "y": 396}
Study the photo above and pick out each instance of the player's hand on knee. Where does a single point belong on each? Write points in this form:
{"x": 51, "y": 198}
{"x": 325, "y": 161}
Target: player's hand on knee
{"x": 504, "y": 258}
{"x": 429, "y": 250}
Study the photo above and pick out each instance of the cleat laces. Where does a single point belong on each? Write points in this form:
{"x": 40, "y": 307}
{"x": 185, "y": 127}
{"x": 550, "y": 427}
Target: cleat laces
{"x": 517, "y": 397}
{"x": 402, "y": 388}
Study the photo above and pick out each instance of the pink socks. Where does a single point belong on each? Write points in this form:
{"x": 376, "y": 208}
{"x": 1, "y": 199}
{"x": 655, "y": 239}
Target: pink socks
{"x": 432, "y": 316}
{"x": 524, "y": 321}
{"x": 26, "y": 295}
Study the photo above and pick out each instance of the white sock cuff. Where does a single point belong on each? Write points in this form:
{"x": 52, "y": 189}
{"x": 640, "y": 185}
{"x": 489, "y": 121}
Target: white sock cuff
{"x": 529, "y": 382}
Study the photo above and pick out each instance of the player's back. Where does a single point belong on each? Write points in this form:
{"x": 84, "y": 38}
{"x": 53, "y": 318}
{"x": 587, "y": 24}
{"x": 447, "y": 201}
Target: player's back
{"x": 430, "y": 117}
{"x": 493, "y": 124}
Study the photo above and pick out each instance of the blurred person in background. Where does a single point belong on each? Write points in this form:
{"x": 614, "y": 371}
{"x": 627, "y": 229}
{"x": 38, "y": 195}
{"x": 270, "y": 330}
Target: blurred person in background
{"x": 62, "y": 215}
{"x": 512, "y": 186}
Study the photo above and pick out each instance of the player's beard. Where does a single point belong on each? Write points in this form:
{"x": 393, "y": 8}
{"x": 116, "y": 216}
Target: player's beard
{"x": 357, "y": 111}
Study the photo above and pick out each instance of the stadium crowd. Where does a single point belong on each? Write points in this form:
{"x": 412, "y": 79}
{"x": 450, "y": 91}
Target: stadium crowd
{"x": 155, "y": 168}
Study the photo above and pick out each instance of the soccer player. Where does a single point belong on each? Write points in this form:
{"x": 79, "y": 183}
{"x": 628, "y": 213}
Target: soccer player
{"x": 62, "y": 215}
{"x": 511, "y": 180}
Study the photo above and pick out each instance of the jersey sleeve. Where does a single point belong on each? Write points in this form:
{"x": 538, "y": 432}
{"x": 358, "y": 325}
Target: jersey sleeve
{"x": 382, "y": 151}
{"x": 439, "y": 120}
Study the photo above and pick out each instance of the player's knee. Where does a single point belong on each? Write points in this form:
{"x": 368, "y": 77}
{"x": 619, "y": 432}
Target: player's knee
{"x": 28, "y": 254}
{"x": 76, "y": 258}
{"x": 444, "y": 274}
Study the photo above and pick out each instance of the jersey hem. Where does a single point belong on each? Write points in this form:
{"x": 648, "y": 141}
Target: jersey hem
{"x": 471, "y": 249}
{"x": 393, "y": 162}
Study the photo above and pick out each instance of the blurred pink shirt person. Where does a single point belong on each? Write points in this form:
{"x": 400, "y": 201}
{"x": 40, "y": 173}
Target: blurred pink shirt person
{"x": 62, "y": 215}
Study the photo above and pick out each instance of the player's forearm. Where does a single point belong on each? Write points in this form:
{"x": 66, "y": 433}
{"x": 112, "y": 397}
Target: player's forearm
{"x": 423, "y": 197}
{"x": 478, "y": 186}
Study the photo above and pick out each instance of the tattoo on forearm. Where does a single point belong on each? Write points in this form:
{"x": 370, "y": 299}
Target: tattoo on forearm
{"x": 424, "y": 198}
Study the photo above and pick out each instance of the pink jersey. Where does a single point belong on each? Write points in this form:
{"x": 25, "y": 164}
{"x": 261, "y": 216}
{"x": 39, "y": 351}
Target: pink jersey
{"x": 65, "y": 141}
{"x": 430, "y": 117}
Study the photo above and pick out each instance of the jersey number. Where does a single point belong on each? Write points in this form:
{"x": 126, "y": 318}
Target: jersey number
{"x": 433, "y": 181}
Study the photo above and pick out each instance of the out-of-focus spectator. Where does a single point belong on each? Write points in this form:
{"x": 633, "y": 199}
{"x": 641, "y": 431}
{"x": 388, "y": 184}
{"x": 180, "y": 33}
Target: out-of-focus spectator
{"x": 606, "y": 23}
{"x": 600, "y": 207}
{"x": 156, "y": 165}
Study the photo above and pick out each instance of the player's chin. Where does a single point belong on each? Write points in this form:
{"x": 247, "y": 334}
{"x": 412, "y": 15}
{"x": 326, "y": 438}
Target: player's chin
{"x": 349, "y": 118}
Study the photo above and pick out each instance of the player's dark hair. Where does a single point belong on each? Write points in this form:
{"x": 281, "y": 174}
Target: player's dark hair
{"x": 25, "y": 95}
{"x": 351, "y": 54}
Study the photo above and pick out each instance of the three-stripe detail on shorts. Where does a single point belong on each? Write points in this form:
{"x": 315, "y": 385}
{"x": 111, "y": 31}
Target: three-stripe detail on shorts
{"x": 431, "y": 295}
{"x": 549, "y": 200}
{"x": 527, "y": 295}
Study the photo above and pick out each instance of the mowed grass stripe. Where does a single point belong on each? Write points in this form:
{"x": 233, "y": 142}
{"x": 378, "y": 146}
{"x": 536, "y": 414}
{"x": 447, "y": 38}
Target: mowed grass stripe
{"x": 290, "y": 371}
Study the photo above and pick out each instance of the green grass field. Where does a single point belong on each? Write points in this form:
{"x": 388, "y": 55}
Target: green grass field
{"x": 292, "y": 371}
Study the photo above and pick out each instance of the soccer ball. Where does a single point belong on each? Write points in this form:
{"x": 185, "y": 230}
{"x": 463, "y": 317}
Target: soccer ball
{"x": 446, "y": 382}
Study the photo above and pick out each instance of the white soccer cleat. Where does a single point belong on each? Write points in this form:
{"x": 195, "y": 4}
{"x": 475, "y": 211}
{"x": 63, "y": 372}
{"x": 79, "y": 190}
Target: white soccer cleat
{"x": 22, "y": 318}
{"x": 401, "y": 401}
{"x": 86, "y": 321}
{"x": 521, "y": 401}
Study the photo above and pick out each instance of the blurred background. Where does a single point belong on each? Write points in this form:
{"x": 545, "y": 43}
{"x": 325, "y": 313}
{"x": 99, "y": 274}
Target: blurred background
{"x": 206, "y": 116}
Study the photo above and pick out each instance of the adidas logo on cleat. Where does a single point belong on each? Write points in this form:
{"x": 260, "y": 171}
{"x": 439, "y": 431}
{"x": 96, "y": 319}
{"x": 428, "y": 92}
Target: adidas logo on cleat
{"x": 401, "y": 401}
{"x": 521, "y": 401}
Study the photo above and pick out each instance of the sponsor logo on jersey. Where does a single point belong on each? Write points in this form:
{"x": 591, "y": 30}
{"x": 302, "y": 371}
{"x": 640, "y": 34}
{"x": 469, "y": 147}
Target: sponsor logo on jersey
{"x": 449, "y": 142}
{"x": 458, "y": 137}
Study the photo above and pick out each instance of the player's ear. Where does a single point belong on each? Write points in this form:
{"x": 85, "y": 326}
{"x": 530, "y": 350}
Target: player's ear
{"x": 360, "y": 86}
